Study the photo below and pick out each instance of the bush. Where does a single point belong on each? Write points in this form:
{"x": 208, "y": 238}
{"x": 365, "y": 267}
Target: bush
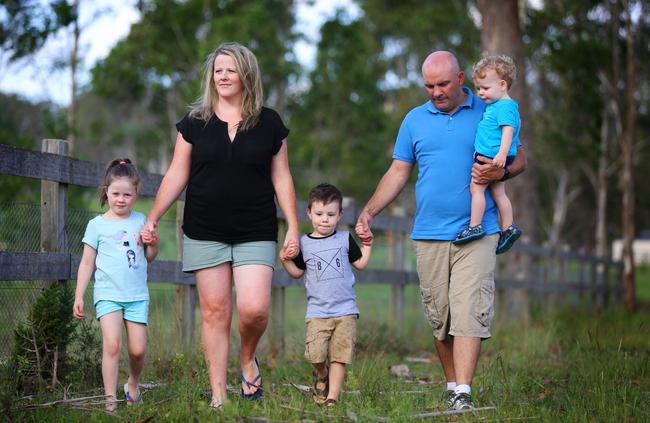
{"x": 39, "y": 357}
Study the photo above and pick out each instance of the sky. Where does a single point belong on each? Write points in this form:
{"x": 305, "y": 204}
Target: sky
{"x": 104, "y": 24}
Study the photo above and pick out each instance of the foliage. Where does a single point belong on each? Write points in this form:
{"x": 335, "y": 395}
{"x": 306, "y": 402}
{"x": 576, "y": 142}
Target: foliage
{"x": 339, "y": 122}
{"x": 85, "y": 354}
{"x": 40, "y": 343}
{"x": 24, "y": 125}
{"x": 344, "y": 113}
{"x": 550, "y": 369}
{"x": 25, "y": 25}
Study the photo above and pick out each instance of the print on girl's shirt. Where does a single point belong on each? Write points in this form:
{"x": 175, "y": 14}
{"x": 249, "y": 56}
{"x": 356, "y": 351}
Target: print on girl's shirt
{"x": 131, "y": 258}
{"x": 124, "y": 243}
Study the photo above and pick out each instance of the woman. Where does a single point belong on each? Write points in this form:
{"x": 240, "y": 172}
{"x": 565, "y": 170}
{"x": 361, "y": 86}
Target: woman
{"x": 231, "y": 154}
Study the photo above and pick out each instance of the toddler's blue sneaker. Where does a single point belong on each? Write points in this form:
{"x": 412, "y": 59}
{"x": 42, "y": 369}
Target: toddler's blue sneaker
{"x": 508, "y": 238}
{"x": 469, "y": 234}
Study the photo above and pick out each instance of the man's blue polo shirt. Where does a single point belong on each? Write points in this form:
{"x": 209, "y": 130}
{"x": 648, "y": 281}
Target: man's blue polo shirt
{"x": 442, "y": 145}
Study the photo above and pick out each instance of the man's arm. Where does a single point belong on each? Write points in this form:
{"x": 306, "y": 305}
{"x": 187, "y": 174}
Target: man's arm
{"x": 389, "y": 187}
{"x": 483, "y": 174}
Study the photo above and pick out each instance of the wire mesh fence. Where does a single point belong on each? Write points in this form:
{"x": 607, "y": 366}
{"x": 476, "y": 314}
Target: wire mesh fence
{"x": 20, "y": 232}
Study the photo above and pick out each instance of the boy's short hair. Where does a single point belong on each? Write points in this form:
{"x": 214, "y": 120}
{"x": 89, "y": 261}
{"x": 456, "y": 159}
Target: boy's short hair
{"x": 325, "y": 193}
{"x": 503, "y": 65}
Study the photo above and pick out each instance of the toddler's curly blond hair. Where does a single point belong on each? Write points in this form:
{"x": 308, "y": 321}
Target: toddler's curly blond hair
{"x": 503, "y": 65}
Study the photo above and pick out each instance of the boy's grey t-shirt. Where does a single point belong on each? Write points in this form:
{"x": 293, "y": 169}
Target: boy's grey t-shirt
{"x": 328, "y": 274}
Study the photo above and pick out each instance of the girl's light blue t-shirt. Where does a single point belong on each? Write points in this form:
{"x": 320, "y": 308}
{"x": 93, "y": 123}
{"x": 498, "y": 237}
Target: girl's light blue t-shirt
{"x": 121, "y": 266}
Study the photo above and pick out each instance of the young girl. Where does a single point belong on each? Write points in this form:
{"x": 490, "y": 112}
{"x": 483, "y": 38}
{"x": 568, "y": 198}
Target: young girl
{"x": 118, "y": 246}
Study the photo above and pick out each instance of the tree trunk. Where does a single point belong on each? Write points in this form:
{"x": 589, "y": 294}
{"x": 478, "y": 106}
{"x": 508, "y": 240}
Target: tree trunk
{"x": 563, "y": 198}
{"x": 74, "y": 62}
{"x": 627, "y": 179}
{"x": 501, "y": 33}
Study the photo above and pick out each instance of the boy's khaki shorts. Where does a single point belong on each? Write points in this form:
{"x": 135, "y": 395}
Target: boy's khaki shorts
{"x": 332, "y": 337}
{"x": 457, "y": 285}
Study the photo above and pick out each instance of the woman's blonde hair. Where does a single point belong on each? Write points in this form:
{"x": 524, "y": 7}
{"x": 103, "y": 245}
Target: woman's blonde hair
{"x": 250, "y": 75}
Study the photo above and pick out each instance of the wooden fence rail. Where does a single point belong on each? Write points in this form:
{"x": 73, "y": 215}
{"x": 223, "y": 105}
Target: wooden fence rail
{"x": 597, "y": 277}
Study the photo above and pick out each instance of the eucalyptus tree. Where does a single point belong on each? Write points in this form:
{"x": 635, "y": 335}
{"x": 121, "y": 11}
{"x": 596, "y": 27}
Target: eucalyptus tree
{"x": 339, "y": 123}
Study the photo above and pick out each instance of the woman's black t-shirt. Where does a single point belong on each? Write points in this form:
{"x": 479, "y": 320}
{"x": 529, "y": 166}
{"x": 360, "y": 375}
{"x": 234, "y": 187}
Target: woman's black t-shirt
{"x": 230, "y": 195}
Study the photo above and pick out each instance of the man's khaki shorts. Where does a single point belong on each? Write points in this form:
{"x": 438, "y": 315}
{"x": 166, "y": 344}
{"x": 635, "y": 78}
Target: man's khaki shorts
{"x": 332, "y": 337}
{"x": 457, "y": 285}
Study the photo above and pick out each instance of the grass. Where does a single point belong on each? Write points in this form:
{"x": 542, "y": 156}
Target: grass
{"x": 563, "y": 366}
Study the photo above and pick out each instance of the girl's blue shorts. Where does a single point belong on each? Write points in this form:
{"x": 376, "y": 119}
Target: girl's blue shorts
{"x": 134, "y": 311}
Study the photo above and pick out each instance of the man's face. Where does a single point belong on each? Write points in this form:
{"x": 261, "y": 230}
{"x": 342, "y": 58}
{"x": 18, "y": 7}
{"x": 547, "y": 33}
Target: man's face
{"x": 444, "y": 86}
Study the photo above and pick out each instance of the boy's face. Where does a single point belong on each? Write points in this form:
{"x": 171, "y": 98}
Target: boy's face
{"x": 491, "y": 88}
{"x": 324, "y": 217}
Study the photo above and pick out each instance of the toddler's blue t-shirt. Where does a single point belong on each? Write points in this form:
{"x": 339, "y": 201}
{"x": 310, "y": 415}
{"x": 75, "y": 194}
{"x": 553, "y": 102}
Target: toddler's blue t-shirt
{"x": 503, "y": 112}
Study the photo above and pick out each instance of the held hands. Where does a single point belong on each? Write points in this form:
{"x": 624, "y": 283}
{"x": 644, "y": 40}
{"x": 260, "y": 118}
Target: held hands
{"x": 149, "y": 234}
{"x": 291, "y": 246}
{"x": 289, "y": 251}
{"x": 500, "y": 160}
{"x": 362, "y": 228}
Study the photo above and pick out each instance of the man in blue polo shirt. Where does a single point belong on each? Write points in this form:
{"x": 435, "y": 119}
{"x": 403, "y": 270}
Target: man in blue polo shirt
{"x": 456, "y": 281}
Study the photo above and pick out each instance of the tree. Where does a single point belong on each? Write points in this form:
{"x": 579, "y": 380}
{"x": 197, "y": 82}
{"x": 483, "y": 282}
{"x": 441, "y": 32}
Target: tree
{"x": 339, "y": 119}
{"x": 25, "y": 25}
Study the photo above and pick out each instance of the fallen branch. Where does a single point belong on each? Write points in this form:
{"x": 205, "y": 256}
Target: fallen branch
{"x": 63, "y": 401}
{"x": 451, "y": 412}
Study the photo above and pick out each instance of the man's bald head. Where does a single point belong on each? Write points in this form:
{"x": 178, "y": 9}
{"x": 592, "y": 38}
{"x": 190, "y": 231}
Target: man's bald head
{"x": 441, "y": 59}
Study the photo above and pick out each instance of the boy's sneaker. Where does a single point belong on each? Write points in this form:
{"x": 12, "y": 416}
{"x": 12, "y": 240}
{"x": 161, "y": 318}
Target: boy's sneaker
{"x": 462, "y": 401}
{"x": 508, "y": 238}
{"x": 449, "y": 398}
{"x": 469, "y": 234}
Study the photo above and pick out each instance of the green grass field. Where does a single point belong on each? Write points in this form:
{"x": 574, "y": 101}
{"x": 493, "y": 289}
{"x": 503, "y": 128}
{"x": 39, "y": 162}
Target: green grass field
{"x": 571, "y": 366}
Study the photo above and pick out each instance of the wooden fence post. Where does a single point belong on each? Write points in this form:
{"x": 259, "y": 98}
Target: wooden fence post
{"x": 54, "y": 204}
{"x": 185, "y": 294}
{"x": 276, "y": 329}
{"x": 276, "y": 332}
{"x": 398, "y": 288}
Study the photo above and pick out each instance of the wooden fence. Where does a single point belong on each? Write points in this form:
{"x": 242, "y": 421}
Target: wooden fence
{"x": 548, "y": 272}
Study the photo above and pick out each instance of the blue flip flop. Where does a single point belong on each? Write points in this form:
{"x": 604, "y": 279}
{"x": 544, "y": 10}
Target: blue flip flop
{"x": 129, "y": 398}
{"x": 259, "y": 392}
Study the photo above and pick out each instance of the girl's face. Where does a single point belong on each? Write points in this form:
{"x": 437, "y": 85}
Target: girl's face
{"x": 324, "y": 217}
{"x": 121, "y": 194}
{"x": 225, "y": 77}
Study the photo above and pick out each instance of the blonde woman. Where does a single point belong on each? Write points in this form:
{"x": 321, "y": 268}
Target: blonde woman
{"x": 231, "y": 155}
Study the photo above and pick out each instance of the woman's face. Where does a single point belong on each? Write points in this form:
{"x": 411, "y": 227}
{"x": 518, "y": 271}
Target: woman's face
{"x": 226, "y": 77}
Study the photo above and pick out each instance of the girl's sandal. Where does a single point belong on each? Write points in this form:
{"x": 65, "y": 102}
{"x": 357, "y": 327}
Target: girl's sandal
{"x": 111, "y": 405}
{"x": 129, "y": 399}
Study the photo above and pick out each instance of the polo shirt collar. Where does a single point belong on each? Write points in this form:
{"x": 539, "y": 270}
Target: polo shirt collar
{"x": 467, "y": 104}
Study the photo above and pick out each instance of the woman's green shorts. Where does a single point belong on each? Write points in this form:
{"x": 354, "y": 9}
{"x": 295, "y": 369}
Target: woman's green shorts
{"x": 199, "y": 255}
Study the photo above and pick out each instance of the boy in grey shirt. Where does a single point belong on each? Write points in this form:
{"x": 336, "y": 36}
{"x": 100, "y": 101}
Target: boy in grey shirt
{"x": 326, "y": 259}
